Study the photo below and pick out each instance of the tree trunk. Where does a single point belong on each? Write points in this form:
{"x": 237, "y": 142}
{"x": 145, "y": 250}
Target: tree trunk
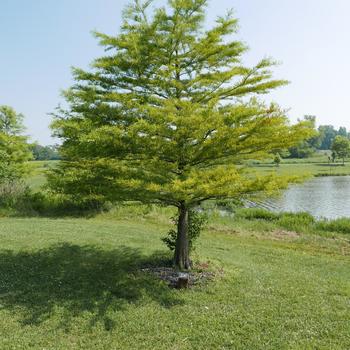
{"x": 181, "y": 256}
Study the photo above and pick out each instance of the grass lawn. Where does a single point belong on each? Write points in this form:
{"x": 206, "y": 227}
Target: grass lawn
{"x": 316, "y": 165}
{"x": 76, "y": 284}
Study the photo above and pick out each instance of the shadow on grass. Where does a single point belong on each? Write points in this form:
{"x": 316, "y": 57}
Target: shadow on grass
{"x": 76, "y": 280}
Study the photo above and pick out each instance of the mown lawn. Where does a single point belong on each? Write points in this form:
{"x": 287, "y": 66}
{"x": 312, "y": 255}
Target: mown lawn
{"x": 316, "y": 165}
{"x": 77, "y": 284}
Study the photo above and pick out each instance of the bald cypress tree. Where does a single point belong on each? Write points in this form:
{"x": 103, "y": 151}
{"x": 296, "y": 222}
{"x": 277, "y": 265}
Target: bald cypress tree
{"x": 170, "y": 115}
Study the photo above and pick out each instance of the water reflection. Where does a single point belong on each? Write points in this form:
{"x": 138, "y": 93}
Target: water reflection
{"x": 327, "y": 197}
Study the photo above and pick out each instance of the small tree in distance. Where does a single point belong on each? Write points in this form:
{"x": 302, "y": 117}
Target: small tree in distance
{"x": 169, "y": 116}
{"x": 341, "y": 148}
{"x": 277, "y": 160}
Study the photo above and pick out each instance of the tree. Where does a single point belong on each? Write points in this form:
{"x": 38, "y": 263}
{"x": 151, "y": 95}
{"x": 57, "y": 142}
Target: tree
{"x": 277, "y": 160}
{"x": 169, "y": 115}
{"x": 44, "y": 152}
{"x": 11, "y": 122}
{"x": 302, "y": 150}
{"x": 307, "y": 148}
{"x": 13, "y": 146}
{"x": 328, "y": 133}
{"x": 343, "y": 132}
{"x": 341, "y": 147}
{"x": 333, "y": 156}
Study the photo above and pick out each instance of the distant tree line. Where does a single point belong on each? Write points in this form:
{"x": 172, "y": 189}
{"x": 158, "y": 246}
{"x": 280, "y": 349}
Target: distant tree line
{"x": 44, "y": 152}
{"x": 323, "y": 139}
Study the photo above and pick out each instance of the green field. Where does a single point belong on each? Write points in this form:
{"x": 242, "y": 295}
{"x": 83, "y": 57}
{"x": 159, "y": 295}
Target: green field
{"x": 37, "y": 175}
{"x": 77, "y": 284}
{"x": 317, "y": 165}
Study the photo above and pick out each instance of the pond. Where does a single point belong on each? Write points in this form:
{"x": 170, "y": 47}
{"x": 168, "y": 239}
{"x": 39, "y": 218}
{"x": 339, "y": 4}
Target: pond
{"x": 327, "y": 197}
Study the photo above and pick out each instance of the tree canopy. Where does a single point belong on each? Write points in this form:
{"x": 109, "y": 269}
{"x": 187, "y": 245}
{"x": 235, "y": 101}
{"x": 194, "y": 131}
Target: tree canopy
{"x": 341, "y": 147}
{"x": 170, "y": 115}
{"x": 44, "y": 152}
{"x": 306, "y": 148}
{"x": 327, "y": 134}
{"x": 13, "y": 146}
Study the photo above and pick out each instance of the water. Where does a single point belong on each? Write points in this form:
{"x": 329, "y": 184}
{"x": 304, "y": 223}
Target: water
{"x": 327, "y": 197}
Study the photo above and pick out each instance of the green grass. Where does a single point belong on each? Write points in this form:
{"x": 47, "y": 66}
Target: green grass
{"x": 317, "y": 165}
{"x": 37, "y": 177}
{"x": 77, "y": 284}
{"x": 300, "y": 222}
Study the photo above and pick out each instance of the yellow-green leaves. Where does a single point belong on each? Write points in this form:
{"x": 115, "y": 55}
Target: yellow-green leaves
{"x": 14, "y": 150}
{"x": 170, "y": 113}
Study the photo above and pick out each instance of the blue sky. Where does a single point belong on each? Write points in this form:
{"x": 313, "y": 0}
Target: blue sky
{"x": 41, "y": 39}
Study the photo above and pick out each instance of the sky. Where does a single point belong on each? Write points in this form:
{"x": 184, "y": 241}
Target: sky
{"x": 40, "y": 40}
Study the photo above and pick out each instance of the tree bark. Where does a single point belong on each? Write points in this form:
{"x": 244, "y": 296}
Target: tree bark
{"x": 182, "y": 256}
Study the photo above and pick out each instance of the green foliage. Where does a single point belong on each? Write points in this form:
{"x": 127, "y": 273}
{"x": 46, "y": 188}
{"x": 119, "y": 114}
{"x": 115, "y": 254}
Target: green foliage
{"x": 256, "y": 213}
{"x": 290, "y": 221}
{"x": 19, "y": 200}
{"x": 341, "y": 147}
{"x": 302, "y": 150}
{"x": 11, "y": 122}
{"x": 12, "y": 193}
{"x": 52, "y": 204}
{"x": 169, "y": 114}
{"x": 44, "y": 152}
{"x": 328, "y": 134}
{"x": 230, "y": 205}
{"x": 13, "y": 147}
{"x": 307, "y": 148}
{"x": 333, "y": 156}
{"x": 321, "y": 140}
{"x": 343, "y": 132}
{"x": 298, "y": 222}
{"x": 277, "y": 159}
{"x": 341, "y": 225}
{"x": 196, "y": 222}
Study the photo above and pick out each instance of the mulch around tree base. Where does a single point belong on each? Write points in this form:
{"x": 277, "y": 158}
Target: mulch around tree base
{"x": 172, "y": 276}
